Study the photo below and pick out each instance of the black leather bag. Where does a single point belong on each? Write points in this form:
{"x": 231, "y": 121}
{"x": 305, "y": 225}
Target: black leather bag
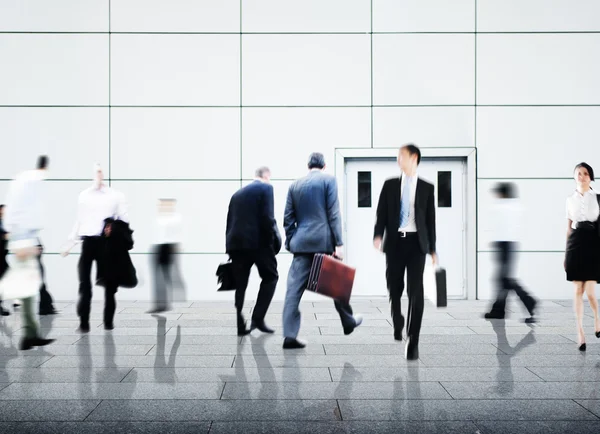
{"x": 225, "y": 277}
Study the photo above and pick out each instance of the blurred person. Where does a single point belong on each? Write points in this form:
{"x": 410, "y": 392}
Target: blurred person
{"x": 507, "y": 218}
{"x": 312, "y": 225}
{"x": 23, "y": 219}
{"x": 3, "y": 253}
{"x": 406, "y": 217}
{"x": 168, "y": 237}
{"x": 95, "y": 204}
{"x": 582, "y": 254}
{"x": 252, "y": 238}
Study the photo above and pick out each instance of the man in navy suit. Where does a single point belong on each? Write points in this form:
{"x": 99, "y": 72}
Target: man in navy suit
{"x": 252, "y": 238}
{"x": 312, "y": 224}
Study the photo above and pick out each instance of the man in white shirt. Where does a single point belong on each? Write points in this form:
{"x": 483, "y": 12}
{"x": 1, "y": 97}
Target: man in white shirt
{"x": 96, "y": 203}
{"x": 507, "y": 218}
{"x": 168, "y": 237}
{"x": 23, "y": 219}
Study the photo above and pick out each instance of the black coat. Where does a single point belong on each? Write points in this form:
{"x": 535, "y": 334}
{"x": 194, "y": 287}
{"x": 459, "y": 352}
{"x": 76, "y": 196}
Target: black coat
{"x": 388, "y": 215}
{"x": 116, "y": 267}
{"x": 3, "y": 252}
{"x": 251, "y": 222}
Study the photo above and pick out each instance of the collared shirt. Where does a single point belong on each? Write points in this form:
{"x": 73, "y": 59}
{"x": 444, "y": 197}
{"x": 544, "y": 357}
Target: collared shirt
{"x": 24, "y": 210}
{"x": 168, "y": 228}
{"x": 507, "y": 220}
{"x": 582, "y": 207}
{"x": 411, "y": 226}
{"x": 95, "y": 205}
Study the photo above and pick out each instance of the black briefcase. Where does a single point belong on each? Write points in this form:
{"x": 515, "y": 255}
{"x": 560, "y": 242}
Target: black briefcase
{"x": 440, "y": 287}
{"x": 226, "y": 277}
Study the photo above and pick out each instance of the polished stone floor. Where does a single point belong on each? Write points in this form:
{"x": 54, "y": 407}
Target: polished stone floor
{"x": 187, "y": 371}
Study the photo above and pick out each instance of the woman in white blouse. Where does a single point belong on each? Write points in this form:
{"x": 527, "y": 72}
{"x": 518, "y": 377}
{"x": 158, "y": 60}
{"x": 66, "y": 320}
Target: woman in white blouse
{"x": 582, "y": 257}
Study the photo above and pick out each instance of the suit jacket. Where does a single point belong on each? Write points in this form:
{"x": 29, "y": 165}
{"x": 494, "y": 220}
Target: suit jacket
{"x": 116, "y": 269}
{"x": 388, "y": 214}
{"x": 312, "y": 219}
{"x": 251, "y": 221}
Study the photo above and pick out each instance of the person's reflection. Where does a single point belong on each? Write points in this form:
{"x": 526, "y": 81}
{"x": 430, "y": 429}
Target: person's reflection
{"x": 46, "y": 325}
{"x": 343, "y": 390}
{"x": 504, "y": 376}
{"x": 266, "y": 373}
{"x": 84, "y": 355}
{"x": 165, "y": 375}
{"x": 7, "y": 353}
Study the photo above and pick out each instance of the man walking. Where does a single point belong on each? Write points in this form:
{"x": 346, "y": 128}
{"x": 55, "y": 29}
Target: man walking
{"x": 96, "y": 204}
{"x": 507, "y": 216}
{"x": 406, "y": 215}
{"x": 252, "y": 238}
{"x": 23, "y": 220}
{"x": 312, "y": 225}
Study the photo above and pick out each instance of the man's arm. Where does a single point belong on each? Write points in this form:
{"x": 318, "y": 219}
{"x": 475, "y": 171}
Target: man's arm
{"x": 268, "y": 210}
{"x": 333, "y": 212}
{"x": 289, "y": 219}
{"x": 430, "y": 220}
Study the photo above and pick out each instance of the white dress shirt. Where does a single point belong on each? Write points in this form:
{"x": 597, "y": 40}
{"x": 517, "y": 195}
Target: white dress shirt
{"x": 582, "y": 207}
{"x": 168, "y": 228}
{"x": 24, "y": 210}
{"x": 411, "y": 226}
{"x": 95, "y": 205}
{"x": 507, "y": 220}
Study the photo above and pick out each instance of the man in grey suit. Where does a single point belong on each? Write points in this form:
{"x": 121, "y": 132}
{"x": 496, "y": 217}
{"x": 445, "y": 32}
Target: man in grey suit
{"x": 312, "y": 225}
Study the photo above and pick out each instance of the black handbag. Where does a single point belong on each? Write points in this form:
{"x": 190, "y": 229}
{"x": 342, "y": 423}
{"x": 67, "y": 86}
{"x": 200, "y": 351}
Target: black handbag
{"x": 225, "y": 277}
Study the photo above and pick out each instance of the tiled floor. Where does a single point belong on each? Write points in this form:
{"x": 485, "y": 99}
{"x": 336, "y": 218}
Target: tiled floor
{"x": 187, "y": 371}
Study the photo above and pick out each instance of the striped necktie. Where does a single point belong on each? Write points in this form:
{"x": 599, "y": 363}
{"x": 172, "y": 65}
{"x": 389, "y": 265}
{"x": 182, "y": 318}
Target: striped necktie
{"x": 405, "y": 202}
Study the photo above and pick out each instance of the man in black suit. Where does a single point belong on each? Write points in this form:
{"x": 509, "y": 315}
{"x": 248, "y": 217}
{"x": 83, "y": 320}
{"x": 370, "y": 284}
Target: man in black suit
{"x": 252, "y": 238}
{"x": 406, "y": 216}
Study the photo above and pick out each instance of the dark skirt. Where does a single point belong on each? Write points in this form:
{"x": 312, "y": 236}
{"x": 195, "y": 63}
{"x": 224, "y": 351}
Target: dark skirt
{"x": 583, "y": 256}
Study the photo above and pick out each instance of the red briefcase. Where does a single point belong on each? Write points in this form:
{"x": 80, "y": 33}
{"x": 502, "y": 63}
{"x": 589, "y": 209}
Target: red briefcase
{"x": 331, "y": 277}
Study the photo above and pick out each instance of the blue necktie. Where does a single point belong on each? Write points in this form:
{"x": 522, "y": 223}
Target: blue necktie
{"x": 405, "y": 203}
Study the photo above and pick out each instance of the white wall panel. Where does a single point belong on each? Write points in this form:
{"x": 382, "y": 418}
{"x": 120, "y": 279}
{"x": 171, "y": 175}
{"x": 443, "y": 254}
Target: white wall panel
{"x": 538, "y": 69}
{"x": 541, "y": 274}
{"x": 536, "y": 141}
{"x": 544, "y": 222}
{"x": 423, "y": 69}
{"x": 203, "y": 206}
{"x": 54, "y": 16}
{"x": 306, "y": 16}
{"x": 424, "y": 126}
{"x": 175, "y": 69}
{"x": 57, "y": 69}
{"x": 537, "y": 15}
{"x": 73, "y": 138}
{"x": 175, "y": 16}
{"x": 423, "y": 16}
{"x": 175, "y": 143}
{"x": 283, "y": 138}
{"x": 306, "y": 69}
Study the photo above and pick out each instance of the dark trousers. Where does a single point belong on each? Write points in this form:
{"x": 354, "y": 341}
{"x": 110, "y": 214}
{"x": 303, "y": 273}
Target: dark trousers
{"x": 505, "y": 281}
{"x": 406, "y": 256}
{"x": 266, "y": 263}
{"x": 91, "y": 250}
{"x": 296, "y": 284}
{"x": 46, "y": 302}
{"x": 163, "y": 281}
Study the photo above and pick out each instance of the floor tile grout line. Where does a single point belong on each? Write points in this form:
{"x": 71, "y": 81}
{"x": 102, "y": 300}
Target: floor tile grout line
{"x": 222, "y": 391}
{"x": 210, "y": 426}
{"x": 126, "y": 375}
{"x": 586, "y": 409}
{"x": 233, "y": 362}
{"x": 93, "y": 410}
{"x": 151, "y": 348}
{"x": 330, "y": 374}
{"x": 337, "y": 402}
{"x": 446, "y": 390}
{"x": 45, "y": 361}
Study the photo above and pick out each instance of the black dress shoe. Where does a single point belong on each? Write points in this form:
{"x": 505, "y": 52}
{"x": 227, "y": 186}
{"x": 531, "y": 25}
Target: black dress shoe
{"x": 412, "y": 349}
{"x": 84, "y": 328}
{"x": 494, "y": 315}
{"x": 29, "y": 343}
{"x": 582, "y": 347}
{"x": 4, "y": 312}
{"x": 51, "y": 311}
{"x": 261, "y": 326}
{"x": 398, "y": 335}
{"x": 243, "y": 331}
{"x": 358, "y": 319}
{"x": 109, "y": 326}
{"x": 291, "y": 343}
{"x": 598, "y": 335}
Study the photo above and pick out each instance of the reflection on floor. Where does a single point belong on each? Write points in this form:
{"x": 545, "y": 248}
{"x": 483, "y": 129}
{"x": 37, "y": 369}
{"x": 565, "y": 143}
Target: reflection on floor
{"x": 187, "y": 371}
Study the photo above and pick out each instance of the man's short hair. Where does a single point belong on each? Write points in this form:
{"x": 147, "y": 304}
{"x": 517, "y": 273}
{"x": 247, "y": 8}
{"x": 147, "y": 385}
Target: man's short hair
{"x": 316, "y": 161}
{"x": 42, "y": 162}
{"x": 262, "y": 171}
{"x": 413, "y": 150}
